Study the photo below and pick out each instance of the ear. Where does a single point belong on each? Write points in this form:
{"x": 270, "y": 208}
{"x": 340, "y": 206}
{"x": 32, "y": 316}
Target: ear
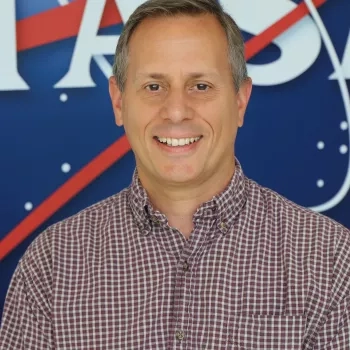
{"x": 116, "y": 98}
{"x": 243, "y": 96}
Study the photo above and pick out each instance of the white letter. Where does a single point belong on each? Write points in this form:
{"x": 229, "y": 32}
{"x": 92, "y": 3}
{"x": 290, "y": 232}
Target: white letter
{"x": 300, "y": 45}
{"x": 89, "y": 44}
{"x": 9, "y": 76}
{"x": 346, "y": 62}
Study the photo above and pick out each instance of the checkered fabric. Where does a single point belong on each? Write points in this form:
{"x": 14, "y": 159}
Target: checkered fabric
{"x": 258, "y": 272}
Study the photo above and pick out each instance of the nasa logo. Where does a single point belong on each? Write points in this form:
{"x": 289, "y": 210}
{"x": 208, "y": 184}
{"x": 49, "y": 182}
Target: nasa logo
{"x": 296, "y": 138}
{"x": 89, "y": 44}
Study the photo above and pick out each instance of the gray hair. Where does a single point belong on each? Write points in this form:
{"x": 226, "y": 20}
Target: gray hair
{"x": 171, "y": 8}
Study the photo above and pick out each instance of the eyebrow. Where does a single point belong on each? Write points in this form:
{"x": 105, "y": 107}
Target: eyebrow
{"x": 161, "y": 76}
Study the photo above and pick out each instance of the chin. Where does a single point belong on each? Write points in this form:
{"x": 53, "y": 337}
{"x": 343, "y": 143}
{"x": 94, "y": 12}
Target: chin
{"x": 171, "y": 173}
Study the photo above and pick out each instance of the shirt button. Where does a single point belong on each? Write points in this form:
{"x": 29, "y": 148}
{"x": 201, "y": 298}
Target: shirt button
{"x": 185, "y": 266}
{"x": 223, "y": 227}
{"x": 180, "y": 335}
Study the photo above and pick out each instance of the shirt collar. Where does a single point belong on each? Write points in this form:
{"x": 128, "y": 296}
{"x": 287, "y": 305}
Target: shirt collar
{"x": 223, "y": 207}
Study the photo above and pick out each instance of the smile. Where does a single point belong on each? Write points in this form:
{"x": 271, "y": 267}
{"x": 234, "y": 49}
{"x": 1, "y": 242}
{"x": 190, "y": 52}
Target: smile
{"x": 177, "y": 142}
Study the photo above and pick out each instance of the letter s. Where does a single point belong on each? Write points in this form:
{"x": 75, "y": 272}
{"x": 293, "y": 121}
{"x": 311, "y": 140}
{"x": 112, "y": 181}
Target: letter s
{"x": 300, "y": 45}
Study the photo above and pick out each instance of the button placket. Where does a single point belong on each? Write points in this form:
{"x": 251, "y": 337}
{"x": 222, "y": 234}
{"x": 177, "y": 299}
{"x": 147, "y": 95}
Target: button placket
{"x": 183, "y": 310}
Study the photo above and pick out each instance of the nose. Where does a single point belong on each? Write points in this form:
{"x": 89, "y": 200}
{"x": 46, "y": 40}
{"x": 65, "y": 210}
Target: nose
{"x": 176, "y": 106}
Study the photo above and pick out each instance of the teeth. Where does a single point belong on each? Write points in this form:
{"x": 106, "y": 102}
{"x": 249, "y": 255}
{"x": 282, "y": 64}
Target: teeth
{"x": 177, "y": 142}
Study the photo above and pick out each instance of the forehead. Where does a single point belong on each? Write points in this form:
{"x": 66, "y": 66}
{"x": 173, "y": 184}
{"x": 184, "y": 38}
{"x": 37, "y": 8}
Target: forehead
{"x": 194, "y": 40}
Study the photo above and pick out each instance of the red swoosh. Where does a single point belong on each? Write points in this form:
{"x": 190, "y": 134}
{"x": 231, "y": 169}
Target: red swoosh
{"x": 31, "y": 35}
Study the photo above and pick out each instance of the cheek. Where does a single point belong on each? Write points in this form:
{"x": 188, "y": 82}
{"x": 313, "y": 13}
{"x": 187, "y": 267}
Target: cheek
{"x": 135, "y": 122}
{"x": 229, "y": 116}
{"x": 221, "y": 118}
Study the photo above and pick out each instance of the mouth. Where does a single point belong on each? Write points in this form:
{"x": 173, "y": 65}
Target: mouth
{"x": 177, "y": 142}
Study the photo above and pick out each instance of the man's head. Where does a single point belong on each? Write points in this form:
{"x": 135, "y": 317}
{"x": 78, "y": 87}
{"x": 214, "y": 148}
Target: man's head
{"x": 180, "y": 88}
{"x": 172, "y": 8}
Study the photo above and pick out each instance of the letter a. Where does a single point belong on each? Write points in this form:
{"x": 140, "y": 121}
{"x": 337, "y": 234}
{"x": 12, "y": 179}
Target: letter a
{"x": 89, "y": 44}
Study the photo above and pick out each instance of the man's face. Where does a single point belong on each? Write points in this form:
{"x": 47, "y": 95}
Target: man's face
{"x": 180, "y": 109}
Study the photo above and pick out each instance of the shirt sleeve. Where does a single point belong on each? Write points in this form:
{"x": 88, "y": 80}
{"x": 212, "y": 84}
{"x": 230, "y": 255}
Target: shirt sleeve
{"x": 26, "y": 320}
{"x": 334, "y": 334}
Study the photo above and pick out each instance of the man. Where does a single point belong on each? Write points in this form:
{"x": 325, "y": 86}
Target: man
{"x": 193, "y": 255}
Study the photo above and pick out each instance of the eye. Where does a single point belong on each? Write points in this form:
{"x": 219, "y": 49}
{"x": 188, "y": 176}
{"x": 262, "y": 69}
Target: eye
{"x": 153, "y": 87}
{"x": 202, "y": 87}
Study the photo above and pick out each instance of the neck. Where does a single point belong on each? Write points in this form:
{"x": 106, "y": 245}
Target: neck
{"x": 179, "y": 202}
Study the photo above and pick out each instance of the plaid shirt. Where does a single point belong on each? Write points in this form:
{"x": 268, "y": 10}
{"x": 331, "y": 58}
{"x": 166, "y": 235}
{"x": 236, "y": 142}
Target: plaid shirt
{"x": 258, "y": 272}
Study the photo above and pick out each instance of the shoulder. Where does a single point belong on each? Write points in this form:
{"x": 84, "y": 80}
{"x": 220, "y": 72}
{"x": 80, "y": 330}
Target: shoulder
{"x": 74, "y": 233}
{"x": 316, "y": 246}
{"x": 313, "y": 239}
{"x": 94, "y": 216}
{"x": 280, "y": 210}
{"x": 66, "y": 245}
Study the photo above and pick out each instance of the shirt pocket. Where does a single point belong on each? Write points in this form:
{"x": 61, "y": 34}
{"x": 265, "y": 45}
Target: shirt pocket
{"x": 266, "y": 332}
